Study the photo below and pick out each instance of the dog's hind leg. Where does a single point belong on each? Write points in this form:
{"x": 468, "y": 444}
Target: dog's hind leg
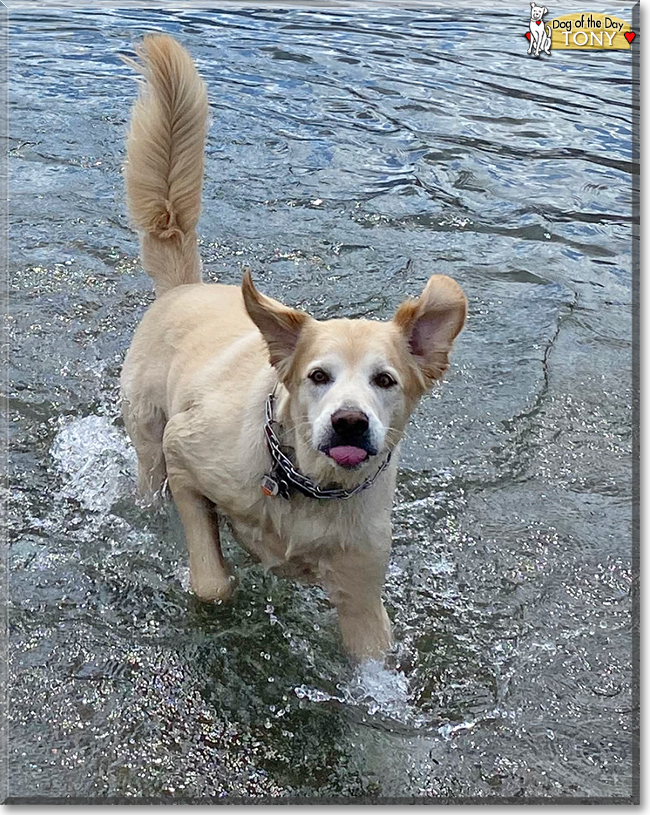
{"x": 146, "y": 432}
{"x": 210, "y": 578}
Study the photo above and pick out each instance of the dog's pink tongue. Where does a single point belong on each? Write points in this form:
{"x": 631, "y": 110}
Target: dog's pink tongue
{"x": 348, "y": 456}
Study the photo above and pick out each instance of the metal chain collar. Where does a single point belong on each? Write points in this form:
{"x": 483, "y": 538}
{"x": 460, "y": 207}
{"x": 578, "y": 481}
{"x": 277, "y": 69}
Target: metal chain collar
{"x": 284, "y": 474}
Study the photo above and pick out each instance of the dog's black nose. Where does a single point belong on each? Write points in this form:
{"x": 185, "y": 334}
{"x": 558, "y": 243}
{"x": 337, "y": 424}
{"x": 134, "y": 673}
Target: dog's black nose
{"x": 349, "y": 423}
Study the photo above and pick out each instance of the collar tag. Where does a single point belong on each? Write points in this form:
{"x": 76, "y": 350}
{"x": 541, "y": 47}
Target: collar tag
{"x": 270, "y": 486}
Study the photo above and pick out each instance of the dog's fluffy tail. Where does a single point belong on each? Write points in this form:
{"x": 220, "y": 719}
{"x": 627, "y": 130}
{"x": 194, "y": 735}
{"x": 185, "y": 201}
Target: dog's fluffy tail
{"x": 164, "y": 168}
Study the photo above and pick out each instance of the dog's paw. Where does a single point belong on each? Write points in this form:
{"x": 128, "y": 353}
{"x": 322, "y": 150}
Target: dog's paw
{"x": 214, "y": 590}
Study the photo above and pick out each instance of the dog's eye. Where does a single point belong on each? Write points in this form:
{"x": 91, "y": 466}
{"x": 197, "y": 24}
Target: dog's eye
{"x": 319, "y": 377}
{"x": 384, "y": 380}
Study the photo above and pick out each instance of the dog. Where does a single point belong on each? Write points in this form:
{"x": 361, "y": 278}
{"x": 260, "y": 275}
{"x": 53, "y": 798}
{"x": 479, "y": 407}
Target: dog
{"x": 540, "y": 34}
{"x": 287, "y": 426}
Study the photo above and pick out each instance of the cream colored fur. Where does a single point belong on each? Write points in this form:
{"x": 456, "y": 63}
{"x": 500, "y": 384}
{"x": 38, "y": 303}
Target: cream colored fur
{"x": 164, "y": 173}
{"x": 205, "y": 357}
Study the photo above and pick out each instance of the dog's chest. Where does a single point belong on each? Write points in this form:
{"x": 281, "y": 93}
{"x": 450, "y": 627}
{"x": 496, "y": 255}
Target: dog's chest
{"x": 293, "y": 536}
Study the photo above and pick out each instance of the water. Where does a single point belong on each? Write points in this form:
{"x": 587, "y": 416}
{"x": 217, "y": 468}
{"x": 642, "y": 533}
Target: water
{"x": 351, "y": 155}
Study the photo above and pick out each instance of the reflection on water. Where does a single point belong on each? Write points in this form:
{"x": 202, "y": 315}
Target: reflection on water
{"x": 352, "y": 154}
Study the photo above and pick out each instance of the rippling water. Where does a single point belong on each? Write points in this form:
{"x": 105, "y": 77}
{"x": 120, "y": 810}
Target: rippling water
{"x": 352, "y": 154}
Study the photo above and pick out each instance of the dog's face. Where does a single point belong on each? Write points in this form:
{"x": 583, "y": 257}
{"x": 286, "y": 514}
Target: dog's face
{"x": 354, "y": 383}
{"x": 537, "y": 12}
{"x": 353, "y": 388}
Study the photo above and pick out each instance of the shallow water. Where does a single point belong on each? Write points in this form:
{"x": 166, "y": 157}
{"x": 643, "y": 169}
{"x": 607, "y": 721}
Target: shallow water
{"x": 351, "y": 155}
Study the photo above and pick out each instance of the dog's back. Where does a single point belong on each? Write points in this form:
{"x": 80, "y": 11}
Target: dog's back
{"x": 164, "y": 169}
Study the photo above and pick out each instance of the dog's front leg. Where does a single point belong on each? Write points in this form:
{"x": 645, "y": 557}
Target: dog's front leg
{"x": 354, "y": 580}
{"x": 210, "y": 578}
{"x": 365, "y": 629}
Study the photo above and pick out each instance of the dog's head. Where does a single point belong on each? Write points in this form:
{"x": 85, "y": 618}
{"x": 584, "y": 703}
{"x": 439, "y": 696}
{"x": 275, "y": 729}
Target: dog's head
{"x": 537, "y": 12}
{"x": 352, "y": 384}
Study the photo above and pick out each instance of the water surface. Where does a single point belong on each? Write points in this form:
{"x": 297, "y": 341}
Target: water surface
{"x": 352, "y": 154}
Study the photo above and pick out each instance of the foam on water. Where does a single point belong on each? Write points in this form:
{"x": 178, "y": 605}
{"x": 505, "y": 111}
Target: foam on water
{"x": 97, "y": 460}
{"x": 376, "y": 690}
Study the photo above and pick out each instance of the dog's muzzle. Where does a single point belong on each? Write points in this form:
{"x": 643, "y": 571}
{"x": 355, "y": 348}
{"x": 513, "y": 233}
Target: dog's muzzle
{"x": 349, "y": 441}
{"x": 284, "y": 477}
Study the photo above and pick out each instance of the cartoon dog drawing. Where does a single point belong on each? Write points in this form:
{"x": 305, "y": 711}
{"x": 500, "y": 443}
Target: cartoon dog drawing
{"x": 540, "y": 34}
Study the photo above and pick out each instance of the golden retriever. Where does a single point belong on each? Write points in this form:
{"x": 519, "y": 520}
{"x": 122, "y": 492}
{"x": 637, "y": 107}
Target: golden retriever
{"x": 286, "y": 425}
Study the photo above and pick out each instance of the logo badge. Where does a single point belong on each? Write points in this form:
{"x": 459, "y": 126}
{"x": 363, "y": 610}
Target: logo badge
{"x": 584, "y": 31}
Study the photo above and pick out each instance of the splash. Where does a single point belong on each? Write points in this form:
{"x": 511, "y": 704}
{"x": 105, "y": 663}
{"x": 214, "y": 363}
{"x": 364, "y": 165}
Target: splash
{"x": 375, "y": 690}
{"x": 98, "y": 461}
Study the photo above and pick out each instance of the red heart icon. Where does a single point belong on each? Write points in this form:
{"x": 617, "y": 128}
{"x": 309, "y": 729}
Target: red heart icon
{"x": 539, "y": 22}
{"x": 629, "y": 36}
{"x": 528, "y": 36}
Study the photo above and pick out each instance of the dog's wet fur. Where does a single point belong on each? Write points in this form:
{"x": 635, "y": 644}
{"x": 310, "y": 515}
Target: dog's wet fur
{"x": 206, "y": 356}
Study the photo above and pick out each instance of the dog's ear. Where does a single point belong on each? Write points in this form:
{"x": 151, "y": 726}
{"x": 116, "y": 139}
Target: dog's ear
{"x": 431, "y": 322}
{"x": 279, "y": 325}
